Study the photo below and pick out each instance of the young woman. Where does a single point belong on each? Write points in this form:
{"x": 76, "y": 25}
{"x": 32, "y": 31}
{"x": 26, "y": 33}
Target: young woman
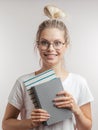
{"x": 51, "y": 41}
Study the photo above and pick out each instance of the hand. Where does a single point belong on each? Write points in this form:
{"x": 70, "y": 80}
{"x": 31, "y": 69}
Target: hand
{"x": 65, "y": 100}
{"x": 38, "y": 116}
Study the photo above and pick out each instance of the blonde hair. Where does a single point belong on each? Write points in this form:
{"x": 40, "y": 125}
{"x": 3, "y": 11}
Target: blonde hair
{"x": 53, "y": 23}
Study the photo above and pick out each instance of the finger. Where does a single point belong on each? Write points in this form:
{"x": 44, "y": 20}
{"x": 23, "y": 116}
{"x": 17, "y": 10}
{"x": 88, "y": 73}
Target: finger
{"x": 39, "y": 117}
{"x": 39, "y": 120}
{"x": 62, "y": 99}
{"x": 62, "y": 93}
{"x": 63, "y": 102}
{"x": 68, "y": 104}
{"x": 39, "y": 110}
{"x": 59, "y": 99}
{"x": 40, "y": 114}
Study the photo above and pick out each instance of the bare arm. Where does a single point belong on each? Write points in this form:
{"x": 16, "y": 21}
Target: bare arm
{"x": 83, "y": 117}
{"x": 10, "y": 121}
{"x": 82, "y": 114}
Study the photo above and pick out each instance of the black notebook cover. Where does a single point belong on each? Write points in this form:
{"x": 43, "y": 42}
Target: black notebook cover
{"x": 43, "y": 95}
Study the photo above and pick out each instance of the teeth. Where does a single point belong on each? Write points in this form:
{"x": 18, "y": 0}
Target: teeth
{"x": 50, "y": 54}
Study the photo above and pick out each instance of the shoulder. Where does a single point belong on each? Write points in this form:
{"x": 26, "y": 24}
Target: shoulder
{"x": 77, "y": 78}
{"x": 76, "y": 81}
{"x": 19, "y": 83}
{"x": 80, "y": 83}
{"x": 24, "y": 77}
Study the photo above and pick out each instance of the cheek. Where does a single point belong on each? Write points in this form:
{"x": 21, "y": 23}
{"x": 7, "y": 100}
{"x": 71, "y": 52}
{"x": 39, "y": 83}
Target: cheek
{"x": 41, "y": 52}
{"x": 62, "y": 52}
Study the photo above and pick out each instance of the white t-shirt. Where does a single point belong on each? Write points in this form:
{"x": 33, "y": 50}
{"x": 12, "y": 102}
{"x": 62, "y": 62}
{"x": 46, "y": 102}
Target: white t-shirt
{"x": 74, "y": 84}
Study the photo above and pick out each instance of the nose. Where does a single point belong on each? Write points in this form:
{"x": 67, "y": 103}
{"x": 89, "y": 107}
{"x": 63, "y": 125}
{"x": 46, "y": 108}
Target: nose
{"x": 50, "y": 47}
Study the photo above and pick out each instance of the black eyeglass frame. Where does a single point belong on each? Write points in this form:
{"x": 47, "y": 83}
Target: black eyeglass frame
{"x": 46, "y": 44}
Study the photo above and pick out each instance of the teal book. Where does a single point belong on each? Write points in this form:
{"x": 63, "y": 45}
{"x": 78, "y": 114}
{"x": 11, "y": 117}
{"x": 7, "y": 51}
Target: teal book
{"x": 40, "y": 78}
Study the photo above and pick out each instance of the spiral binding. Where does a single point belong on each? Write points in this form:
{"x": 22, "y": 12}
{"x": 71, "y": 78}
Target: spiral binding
{"x": 33, "y": 96}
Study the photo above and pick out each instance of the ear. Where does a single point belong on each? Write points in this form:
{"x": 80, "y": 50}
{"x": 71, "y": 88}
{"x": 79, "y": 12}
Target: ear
{"x": 66, "y": 46}
{"x": 37, "y": 46}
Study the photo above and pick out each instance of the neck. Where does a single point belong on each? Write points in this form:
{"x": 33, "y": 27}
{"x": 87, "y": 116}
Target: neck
{"x": 59, "y": 70}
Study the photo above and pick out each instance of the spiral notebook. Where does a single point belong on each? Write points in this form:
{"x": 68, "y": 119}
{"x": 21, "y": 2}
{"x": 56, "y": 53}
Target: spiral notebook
{"x": 42, "y": 96}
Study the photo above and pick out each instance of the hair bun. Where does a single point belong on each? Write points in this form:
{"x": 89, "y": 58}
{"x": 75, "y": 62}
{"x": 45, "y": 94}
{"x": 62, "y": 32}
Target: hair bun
{"x": 53, "y": 12}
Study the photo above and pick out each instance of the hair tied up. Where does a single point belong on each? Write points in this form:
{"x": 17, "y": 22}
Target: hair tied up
{"x": 53, "y": 12}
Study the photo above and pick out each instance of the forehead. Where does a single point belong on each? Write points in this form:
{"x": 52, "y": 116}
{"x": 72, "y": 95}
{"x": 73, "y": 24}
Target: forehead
{"x": 52, "y": 33}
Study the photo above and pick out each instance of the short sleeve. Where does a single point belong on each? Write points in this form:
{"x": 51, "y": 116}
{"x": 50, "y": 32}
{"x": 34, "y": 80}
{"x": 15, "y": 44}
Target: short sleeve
{"x": 85, "y": 94}
{"x": 16, "y": 96}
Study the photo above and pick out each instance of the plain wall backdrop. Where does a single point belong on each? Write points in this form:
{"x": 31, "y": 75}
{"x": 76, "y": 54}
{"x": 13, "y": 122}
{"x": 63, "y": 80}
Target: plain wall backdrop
{"x": 19, "y": 20}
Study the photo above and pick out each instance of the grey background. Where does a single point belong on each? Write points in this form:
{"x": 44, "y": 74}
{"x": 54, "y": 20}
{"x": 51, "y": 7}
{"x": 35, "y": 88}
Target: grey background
{"x": 19, "y": 20}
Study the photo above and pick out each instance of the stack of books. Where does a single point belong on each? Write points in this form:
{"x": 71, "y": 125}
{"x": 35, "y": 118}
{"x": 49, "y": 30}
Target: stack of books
{"x": 42, "y": 89}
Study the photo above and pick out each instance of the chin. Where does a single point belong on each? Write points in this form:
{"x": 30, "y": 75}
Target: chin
{"x": 50, "y": 64}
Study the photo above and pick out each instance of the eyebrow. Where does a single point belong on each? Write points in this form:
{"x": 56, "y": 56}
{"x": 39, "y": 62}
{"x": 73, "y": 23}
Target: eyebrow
{"x": 44, "y": 39}
{"x": 50, "y": 41}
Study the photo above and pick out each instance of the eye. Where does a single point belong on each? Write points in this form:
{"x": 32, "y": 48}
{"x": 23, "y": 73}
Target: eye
{"x": 44, "y": 43}
{"x": 57, "y": 43}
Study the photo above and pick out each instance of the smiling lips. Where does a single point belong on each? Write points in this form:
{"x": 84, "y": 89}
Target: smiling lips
{"x": 50, "y": 56}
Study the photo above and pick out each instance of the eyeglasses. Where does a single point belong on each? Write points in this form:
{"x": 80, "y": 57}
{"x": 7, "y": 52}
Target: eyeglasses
{"x": 45, "y": 44}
